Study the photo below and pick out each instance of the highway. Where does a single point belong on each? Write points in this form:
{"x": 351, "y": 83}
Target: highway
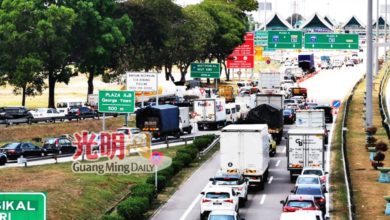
{"x": 326, "y": 86}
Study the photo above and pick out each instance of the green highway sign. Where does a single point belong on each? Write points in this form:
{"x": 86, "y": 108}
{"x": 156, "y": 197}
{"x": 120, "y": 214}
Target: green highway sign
{"x": 332, "y": 41}
{"x": 15, "y": 205}
{"x": 285, "y": 39}
{"x": 116, "y": 101}
{"x": 205, "y": 70}
{"x": 261, "y": 38}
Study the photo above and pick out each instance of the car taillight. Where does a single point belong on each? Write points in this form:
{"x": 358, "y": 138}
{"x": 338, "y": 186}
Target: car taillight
{"x": 240, "y": 188}
{"x": 289, "y": 209}
{"x": 206, "y": 200}
{"x": 78, "y": 112}
{"x": 57, "y": 142}
{"x": 11, "y": 151}
{"x": 321, "y": 200}
{"x": 228, "y": 200}
{"x": 323, "y": 179}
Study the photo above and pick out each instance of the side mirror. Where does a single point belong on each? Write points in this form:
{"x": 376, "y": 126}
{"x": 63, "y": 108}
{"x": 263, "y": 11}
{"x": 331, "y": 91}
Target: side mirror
{"x": 202, "y": 193}
{"x": 326, "y": 173}
{"x": 327, "y": 218}
{"x": 238, "y": 193}
{"x": 292, "y": 191}
{"x": 282, "y": 202}
{"x": 211, "y": 179}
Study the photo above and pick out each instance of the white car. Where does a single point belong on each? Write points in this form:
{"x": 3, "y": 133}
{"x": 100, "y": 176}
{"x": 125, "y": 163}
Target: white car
{"x": 224, "y": 215}
{"x": 302, "y": 215}
{"x": 315, "y": 171}
{"x": 218, "y": 198}
{"x": 237, "y": 182}
{"x": 46, "y": 113}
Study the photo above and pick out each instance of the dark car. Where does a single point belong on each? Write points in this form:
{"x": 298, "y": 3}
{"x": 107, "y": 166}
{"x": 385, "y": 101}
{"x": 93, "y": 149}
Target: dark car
{"x": 16, "y": 149}
{"x": 14, "y": 113}
{"x": 81, "y": 113}
{"x": 327, "y": 111}
{"x": 61, "y": 145}
{"x": 289, "y": 116}
{"x": 315, "y": 190}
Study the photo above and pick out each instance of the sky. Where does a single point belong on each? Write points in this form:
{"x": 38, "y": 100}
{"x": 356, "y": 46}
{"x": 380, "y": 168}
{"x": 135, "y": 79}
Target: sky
{"x": 340, "y": 10}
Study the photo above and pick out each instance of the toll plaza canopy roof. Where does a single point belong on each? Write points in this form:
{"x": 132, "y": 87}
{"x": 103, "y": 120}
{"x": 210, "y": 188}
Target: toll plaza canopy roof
{"x": 381, "y": 22}
{"x": 276, "y": 22}
{"x": 316, "y": 23}
{"x": 353, "y": 23}
{"x": 330, "y": 21}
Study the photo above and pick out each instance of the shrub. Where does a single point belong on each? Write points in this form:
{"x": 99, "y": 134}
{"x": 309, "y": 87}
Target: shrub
{"x": 177, "y": 165}
{"x": 161, "y": 181}
{"x": 144, "y": 190}
{"x": 184, "y": 157}
{"x": 371, "y": 130}
{"x": 191, "y": 150}
{"x": 133, "y": 208}
{"x": 201, "y": 143}
{"x": 210, "y": 137}
{"x": 167, "y": 172}
{"x": 110, "y": 217}
{"x": 381, "y": 146}
{"x": 379, "y": 156}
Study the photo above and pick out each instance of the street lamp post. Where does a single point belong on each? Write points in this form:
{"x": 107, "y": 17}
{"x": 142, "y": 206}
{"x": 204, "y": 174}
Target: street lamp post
{"x": 369, "y": 65}
{"x": 377, "y": 39}
{"x": 385, "y": 30}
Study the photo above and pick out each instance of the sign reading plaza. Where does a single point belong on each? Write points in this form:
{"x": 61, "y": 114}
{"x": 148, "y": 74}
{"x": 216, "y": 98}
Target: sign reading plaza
{"x": 332, "y": 41}
{"x": 285, "y": 39}
{"x": 205, "y": 70}
{"x": 116, "y": 101}
{"x": 20, "y": 205}
{"x": 141, "y": 82}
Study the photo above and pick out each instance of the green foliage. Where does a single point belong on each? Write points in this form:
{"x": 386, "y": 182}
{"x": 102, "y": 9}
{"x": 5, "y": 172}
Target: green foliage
{"x": 184, "y": 157}
{"x": 201, "y": 143}
{"x": 133, "y": 208}
{"x": 167, "y": 172}
{"x": 161, "y": 181}
{"x": 191, "y": 150}
{"x": 177, "y": 165}
{"x": 144, "y": 190}
{"x": 110, "y": 217}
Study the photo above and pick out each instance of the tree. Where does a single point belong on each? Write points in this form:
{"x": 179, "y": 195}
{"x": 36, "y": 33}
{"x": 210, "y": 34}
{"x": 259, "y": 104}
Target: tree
{"x": 20, "y": 64}
{"x": 246, "y": 5}
{"x": 54, "y": 31}
{"x": 96, "y": 35}
{"x": 193, "y": 36}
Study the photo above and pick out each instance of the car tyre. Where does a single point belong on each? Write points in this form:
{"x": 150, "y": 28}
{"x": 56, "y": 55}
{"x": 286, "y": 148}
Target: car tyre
{"x": 3, "y": 161}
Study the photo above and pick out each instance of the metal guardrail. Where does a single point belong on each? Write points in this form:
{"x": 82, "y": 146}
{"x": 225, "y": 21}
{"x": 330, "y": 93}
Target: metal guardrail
{"x": 382, "y": 103}
{"x": 211, "y": 146}
{"x": 347, "y": 174}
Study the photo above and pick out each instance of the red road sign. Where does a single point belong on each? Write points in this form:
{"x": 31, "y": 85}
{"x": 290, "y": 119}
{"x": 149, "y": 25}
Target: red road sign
{"x": 243, "y": 56}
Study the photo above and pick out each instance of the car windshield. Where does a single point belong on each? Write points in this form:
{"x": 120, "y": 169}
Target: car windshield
{"x": 313, "y": 172}
{"x": 11, "y": 145}
{"x": 221, "y": 217}
{"x": 307, "y": 180}
{"x": 308, "y": 191}
{"x": 300, "y": 204}
{"x": 227, "y": 181}
{"x": 287, "y": 112}
{"x": 50, "y": 141}
{"x": 217, "y": 195}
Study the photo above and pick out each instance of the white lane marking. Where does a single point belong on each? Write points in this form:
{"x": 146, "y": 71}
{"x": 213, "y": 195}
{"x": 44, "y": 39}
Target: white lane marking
{"x": 262, "y": 199}
{"x": 277, "y": 163}
{"x": 270, "y": 180}
{"x": 191, "y": 207}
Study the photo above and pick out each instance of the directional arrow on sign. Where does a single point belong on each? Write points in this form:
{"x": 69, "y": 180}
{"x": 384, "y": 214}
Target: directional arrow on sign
{"x": 349, "y": 45}
{"x": 312, "y": 45}
{"x": 331, "y": 45}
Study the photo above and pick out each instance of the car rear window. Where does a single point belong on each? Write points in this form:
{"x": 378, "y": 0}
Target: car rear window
{"x": 217, "y": 195}
{"x": 227, "y": 181}
{"x": 50, "y": 141}
{"x": 11, "y": 146}
{"x": 221, "y": 217}
{"x": 307, "y": 180}
{"x": 300, "y": 204}
{"x": 313, "y": 172}
{"x": 308, "y": 191}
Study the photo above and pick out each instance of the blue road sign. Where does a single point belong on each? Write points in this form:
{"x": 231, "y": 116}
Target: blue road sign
{"x": 336, "y": 104}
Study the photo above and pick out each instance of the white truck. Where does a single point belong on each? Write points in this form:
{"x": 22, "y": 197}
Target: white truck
{"x": 210, "y": 113}
{"x": 245, "y": 149}
{"x": 184, "y": 120}
{"x": 305, "y": 148}
{"x": 312, "y": 118}
{"x": 269, "y": 80}
{"x": 249, "y": 100}
{"x": 275, "y": 100}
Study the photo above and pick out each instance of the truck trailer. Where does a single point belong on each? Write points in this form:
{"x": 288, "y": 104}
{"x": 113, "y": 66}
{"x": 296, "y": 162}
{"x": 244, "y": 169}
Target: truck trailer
{"x": 210, "y": 113}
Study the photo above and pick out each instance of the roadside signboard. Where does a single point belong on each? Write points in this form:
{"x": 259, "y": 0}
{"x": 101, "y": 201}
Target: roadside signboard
{"x": 116, "y": 101}
{"x": 23, "y": 205}
{"x": 243, "y": 55}
{"x": 205, "y": 70}
{"x": 141, "y": 82}
{"x": 92, "y": 99}
{"x": 332, "y": 41}
{"x": 285, "y": 39}
{"x": 261, "y": 38}
{"x": 336, "y": 104}
{"x": 258, "y": 53}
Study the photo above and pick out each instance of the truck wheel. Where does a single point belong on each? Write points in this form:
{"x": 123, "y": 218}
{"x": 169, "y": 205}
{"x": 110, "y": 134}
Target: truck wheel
{"x": 177, "y": 135}
{"x": 261, "y": 185}
{"x": 189, "y": 130}
{"x": 291, "y": 177}
{"x": 200, "y": 127}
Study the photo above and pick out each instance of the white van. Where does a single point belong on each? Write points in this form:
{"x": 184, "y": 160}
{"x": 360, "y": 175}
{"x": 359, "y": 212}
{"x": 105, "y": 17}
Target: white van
{"x": 231, "y": 113}
{"x": 65, "y": 105}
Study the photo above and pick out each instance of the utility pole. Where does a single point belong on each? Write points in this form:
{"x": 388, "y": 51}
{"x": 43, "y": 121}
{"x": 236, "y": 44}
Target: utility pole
{"x": 385, "y": 30}
{"x": 265, "y": 15}
{"x": 369, "y": 65}
{"x": 377, "y": 39}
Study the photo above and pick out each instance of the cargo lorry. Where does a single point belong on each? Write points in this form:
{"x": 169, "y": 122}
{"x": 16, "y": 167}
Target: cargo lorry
{"x": 306, "y": 63}
{"x": 245, "y": 149}
{"x": 226, "y": 92}
{"x": 267, "y": 114}
{"x": 274, "y": 99}
{"x": 162, "y": 121}
{"x": 305, "y": 148}
{"x": 269, "y": 80}
{"x": 210, "y": 113}
{"x": 249, "y": 100}
{"x": 312, "y": 118}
